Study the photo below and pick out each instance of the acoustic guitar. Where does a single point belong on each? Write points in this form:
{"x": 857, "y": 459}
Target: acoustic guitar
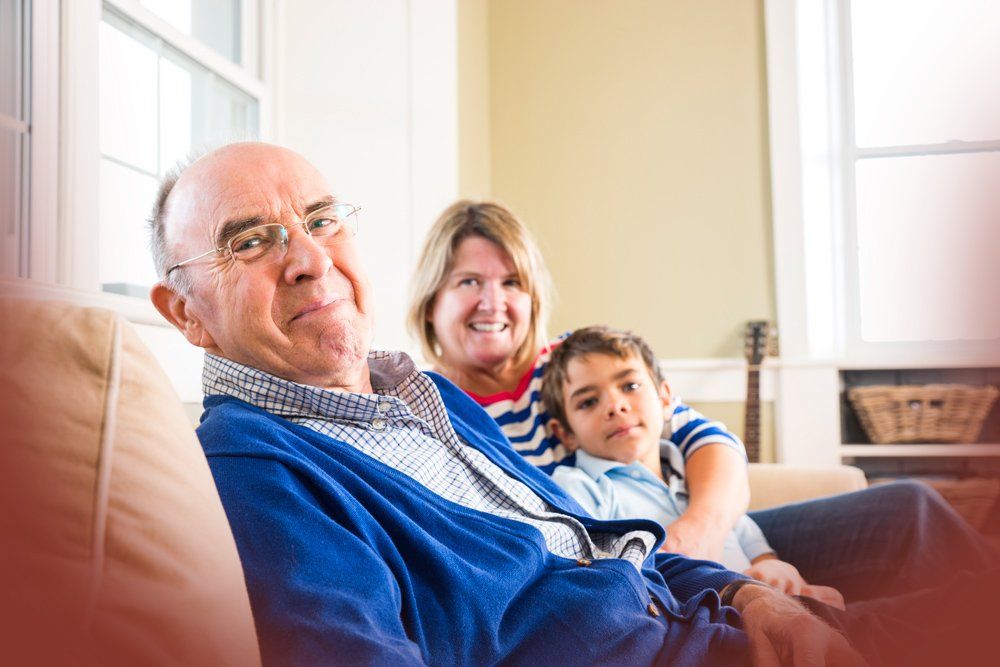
{"x": 758, "y": 339}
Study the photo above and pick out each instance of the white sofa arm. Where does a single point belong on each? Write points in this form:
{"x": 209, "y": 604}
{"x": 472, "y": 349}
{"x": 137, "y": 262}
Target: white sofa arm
{"x": 774, "y": 484}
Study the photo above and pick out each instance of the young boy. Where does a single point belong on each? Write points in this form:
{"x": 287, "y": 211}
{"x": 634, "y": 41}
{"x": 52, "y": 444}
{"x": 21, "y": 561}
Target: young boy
{"x": 604, "y": 391}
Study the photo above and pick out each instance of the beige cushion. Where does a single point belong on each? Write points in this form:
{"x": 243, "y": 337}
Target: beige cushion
{"x": 774, "y": 484}
{"x": 116, "y": 547}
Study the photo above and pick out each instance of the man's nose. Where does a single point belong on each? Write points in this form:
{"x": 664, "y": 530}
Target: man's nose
{"x": 304, "y": 258}
{"x": 492, "y": 297}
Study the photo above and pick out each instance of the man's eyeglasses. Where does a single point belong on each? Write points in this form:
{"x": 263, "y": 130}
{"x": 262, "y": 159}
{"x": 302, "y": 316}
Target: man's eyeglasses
{"x": 333, "y": 224}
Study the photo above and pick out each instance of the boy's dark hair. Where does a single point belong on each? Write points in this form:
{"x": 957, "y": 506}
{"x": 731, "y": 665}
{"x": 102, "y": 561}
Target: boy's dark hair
{"x": 591, "y": 340}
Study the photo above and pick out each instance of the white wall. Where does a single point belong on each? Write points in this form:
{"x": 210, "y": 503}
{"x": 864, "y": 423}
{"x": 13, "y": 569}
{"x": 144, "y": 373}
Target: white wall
{"x": 367, "y": 91}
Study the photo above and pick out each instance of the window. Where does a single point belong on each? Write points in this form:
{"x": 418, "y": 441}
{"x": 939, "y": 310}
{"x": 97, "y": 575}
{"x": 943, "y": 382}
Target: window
{"x": 922, "y": 169}
{"x": 174, "y": 78}
{"x": 14, "y": 135}
{"x": 885, "y": 146}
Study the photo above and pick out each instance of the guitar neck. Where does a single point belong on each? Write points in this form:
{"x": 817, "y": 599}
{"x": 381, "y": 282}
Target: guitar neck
{"x": 751, "y": 431}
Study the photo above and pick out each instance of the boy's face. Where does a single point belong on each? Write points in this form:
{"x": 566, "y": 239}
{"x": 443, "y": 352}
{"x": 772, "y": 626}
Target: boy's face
{"x": 614, "y": 409}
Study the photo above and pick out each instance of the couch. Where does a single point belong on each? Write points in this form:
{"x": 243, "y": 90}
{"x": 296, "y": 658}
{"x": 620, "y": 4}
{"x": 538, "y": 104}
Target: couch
{"x": 117, "y": 549}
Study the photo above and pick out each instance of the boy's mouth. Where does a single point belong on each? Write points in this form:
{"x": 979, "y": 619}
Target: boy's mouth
{"x": 622, "y": 431}
{"x": 489, "y": 327}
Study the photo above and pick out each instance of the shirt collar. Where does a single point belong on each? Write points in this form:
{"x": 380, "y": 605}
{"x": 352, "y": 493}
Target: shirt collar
{"x": 596, "y": 467}
{"x": 389, "y": 371}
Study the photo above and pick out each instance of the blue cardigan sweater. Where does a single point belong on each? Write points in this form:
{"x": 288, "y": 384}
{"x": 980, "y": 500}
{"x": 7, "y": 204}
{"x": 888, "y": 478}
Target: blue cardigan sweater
{"x": 348, "y": 561}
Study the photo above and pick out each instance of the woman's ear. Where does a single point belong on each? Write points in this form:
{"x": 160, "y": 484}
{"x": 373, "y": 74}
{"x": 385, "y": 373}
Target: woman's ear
{"x": 175, "y": 308}
{"x": 564, "y": 435}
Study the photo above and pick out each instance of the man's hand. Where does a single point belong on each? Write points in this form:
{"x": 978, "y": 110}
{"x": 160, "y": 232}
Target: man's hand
{"x": 825, "y": 594}
{"x": 783, "y": 632}
{"x": 695, "y": 537}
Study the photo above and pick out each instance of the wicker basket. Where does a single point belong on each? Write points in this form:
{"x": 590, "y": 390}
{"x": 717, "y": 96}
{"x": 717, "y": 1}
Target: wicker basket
{"x": 922, "y": 413}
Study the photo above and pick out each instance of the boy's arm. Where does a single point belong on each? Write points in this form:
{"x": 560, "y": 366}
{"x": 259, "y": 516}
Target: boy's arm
{"x": 716, "y": 480}
{"x": 718, "y": 495}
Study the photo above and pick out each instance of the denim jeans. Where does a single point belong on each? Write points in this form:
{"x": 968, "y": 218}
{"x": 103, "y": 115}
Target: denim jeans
{"x": 886, "y": 540}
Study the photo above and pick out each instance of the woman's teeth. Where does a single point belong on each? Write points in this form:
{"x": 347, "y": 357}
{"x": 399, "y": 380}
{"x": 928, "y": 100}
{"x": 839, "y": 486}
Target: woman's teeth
{"x": 488, "y": 327}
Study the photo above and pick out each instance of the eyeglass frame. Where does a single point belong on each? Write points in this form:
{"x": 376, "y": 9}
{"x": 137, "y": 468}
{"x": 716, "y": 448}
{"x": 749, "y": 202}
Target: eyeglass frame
{"x": 229, "y": 247}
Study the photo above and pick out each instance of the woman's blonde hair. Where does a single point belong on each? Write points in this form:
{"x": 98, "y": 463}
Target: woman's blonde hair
{"x": 493, "y": 222}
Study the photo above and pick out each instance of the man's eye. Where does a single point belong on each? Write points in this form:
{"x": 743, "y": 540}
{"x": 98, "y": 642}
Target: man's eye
{"x": 586, "y": 404}
{"x": 325, "y": 226}
{"x": 248, "y": 244}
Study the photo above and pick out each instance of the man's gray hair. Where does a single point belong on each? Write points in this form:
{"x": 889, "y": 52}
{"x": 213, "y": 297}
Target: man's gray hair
{"x": 162, "y": 258}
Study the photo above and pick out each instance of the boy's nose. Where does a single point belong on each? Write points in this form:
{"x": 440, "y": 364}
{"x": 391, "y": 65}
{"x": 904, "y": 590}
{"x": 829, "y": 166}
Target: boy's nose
{"x": 617, "y": 405}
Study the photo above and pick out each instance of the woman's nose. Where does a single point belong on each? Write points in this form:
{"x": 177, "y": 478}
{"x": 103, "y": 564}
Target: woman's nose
{"x": 491, "y": 298}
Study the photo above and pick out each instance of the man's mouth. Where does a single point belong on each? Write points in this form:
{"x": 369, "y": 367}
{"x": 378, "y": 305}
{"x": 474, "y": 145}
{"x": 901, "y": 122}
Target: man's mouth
{"x": 319, "y": 304}
{"x": 489, "y": 327}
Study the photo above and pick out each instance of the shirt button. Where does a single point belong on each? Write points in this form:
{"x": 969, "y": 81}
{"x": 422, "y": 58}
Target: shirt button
{"x": 384, "y": 407}
{"x": 583, "y": 562}
{"x": 378, "y": 423}
{"x": 653, "y": 611}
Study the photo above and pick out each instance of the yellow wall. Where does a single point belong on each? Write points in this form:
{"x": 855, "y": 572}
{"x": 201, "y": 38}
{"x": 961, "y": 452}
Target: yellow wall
{"x": 631, "y": 136}
{"x": 474, "y": 152}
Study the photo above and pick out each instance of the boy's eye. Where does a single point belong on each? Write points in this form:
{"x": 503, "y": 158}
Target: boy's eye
{"x": 586, "y": 404}
{"x": 629, "y": 387}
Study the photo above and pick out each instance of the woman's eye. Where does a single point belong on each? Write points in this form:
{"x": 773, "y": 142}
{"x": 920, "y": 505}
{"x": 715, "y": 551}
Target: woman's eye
{"x": 468, "y": 282}
{"x": 513, "y": 283}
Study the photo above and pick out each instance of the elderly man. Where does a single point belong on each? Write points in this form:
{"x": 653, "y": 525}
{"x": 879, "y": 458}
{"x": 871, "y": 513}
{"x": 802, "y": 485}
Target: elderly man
{"x": 380, "y": 515}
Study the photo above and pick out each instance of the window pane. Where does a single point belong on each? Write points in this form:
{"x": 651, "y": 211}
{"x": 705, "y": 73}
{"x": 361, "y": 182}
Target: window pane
{"x": 126, "y": 200}
{"x": 929, "y": 247}
{"x": 198, "y": 109}
{"x": 10, "y": 59}
{"x": 127, "y": 91}
{"x": 214, "y": 22}
{"x": 926, "y": 72}
{"x": 185, "y": 108}
{"x": 10, "y": 182}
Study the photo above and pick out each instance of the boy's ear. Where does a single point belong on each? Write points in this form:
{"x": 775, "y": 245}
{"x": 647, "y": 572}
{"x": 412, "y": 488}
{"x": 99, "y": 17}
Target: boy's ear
{"x": 665, "y": 394}
{"x": 564, "y": 434}
{"x": 174, "y": 308}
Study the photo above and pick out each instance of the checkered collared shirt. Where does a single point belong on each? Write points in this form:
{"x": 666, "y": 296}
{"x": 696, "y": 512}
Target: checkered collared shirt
{"x": 405, "y": 425}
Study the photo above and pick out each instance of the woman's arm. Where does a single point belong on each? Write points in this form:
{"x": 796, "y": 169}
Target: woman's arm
{"x": 718, "y": 495}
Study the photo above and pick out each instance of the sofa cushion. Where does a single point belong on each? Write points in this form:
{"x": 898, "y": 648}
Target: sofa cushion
{"x": 116, "y": 547}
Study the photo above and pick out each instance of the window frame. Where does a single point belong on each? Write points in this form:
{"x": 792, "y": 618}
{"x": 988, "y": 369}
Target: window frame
{"x": 75, "y": 254}
{"x": 813, "y": 160}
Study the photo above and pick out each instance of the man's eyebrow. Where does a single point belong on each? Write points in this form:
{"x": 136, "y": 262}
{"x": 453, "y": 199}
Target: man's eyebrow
{"x": 319, "y": 205}
{"x": 231, "y": 228}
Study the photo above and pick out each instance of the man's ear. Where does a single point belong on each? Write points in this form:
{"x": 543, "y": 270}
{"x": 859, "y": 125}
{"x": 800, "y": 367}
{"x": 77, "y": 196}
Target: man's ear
{"x": 174, "y": 307}
{"x": 565, "y": 435}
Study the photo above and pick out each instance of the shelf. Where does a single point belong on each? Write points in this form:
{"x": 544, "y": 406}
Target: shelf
{"x": 930, "y": 449}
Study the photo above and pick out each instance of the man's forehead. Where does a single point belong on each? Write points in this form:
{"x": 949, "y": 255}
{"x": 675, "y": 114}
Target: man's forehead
{"x": 244, "y": 184}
